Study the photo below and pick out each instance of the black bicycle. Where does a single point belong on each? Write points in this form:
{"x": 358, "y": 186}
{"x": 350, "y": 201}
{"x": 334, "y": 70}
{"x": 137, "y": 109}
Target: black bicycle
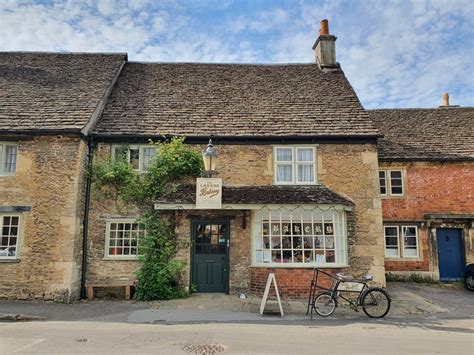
{"x": 374, "y": 301}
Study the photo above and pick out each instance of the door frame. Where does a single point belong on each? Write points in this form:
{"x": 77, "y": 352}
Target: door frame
{"x": 203, "y": 220}
{"x": 462, "y": 248}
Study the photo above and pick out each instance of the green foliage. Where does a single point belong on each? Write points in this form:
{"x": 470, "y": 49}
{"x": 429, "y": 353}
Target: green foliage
{"x": 159, "y": 276}
{"x": 416, "y": 278}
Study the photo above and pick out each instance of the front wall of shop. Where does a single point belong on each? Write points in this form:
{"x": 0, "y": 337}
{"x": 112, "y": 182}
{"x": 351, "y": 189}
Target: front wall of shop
{"x": 49, "y": 178}
{"x": 348, "y": 169}
{"x": 431, "y": 188}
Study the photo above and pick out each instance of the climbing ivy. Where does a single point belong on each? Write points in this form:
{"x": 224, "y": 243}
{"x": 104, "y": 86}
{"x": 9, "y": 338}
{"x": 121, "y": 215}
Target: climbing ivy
{"x": 159, "y": 275}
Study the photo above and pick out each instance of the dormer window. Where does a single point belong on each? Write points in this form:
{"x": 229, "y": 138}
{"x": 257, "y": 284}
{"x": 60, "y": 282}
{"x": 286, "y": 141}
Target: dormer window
{"x": 8, "y": 155}
{"x": 295, "y": 165}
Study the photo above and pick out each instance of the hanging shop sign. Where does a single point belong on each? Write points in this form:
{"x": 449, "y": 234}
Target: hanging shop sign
{"x": 209, "y": 193}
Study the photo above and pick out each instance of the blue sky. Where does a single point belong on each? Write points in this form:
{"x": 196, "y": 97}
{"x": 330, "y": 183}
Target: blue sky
{"x": 395, "y": 53}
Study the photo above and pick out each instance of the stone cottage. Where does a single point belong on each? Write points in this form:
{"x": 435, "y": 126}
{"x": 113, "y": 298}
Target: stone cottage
{"x": 297, "y": 159}
{"x": 48, "y": 106}
{"x": 426, "y": 162}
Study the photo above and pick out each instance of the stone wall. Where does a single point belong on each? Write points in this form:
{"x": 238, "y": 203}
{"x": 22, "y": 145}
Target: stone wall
{"x": 431, "y": 188}
{"x": 49, "y": 179}
{"x": 348, "y": 169}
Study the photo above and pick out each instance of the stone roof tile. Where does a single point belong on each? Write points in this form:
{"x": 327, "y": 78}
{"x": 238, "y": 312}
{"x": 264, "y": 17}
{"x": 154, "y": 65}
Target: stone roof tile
{"x": 233, "y": 100}
{"x": 444, "y": 133}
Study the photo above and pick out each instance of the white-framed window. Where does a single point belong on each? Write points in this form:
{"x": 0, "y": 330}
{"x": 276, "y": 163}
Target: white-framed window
{"x": 299, "y": 237}
{"x": 401, "y": 241}
{"x": 9, "y": 235}
{"x": 8, "y": 157}
{"x": 391, "y": 182}
{"x": 139, "y": 156}
{"x": 295, "y": 165}
{"x": 122, "y": 238}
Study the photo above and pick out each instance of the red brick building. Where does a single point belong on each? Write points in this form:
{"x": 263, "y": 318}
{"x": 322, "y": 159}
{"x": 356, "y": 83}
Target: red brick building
{"x": 426, "y": 162}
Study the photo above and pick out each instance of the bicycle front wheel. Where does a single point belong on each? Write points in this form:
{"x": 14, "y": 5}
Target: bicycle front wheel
{"x": 324, "y": 305}
{"x": 376, "y": 303}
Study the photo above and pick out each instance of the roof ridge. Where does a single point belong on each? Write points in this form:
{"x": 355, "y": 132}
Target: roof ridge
{"x": 420, "y": 108}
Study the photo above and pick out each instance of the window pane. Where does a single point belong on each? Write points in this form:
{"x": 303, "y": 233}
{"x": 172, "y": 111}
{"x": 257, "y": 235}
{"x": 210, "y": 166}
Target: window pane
{"x": 9, "y": 234}
{"x": 135, "y": 158}
{"x": 120, "y": 153}
{"x": 284, "y": 154}
{"x": 123, "y": 238}
{"x": 305, "y": 173}
{"x": 10, "y": 158}
{"x": 305, "y": 154}
{"x": 300, "y": 237}
{"x": 284, "y": 173}
{"x": 383, "y": 182}
{"x": 396, "y": 182}
{"x": 148, "y": 155}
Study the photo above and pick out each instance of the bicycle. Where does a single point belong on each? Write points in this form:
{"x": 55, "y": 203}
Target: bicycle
{"x": 374, "y": 301}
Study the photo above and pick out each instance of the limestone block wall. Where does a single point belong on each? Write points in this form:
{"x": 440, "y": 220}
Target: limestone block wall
{"x": 49, "y": 178}
{"x": 348, "y": 169}
{"x": 101, "y": 270}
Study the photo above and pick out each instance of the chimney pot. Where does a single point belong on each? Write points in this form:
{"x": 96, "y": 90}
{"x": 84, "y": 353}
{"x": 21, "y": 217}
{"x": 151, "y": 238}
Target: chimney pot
{"x": 445, "y": 99}
{"x": 324, "y": 30}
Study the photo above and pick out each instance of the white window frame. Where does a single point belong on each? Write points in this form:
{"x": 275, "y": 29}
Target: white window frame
{"x": 140, "y": 148}
{"x": 385, "y": 240}
{"x": 385, "y": 182}
{"x": 107, "y": 246}
{"x": 3, "y": 153}
{"x": 388, "y": 182}
{"x": 401, "y": 241}
{"x": 340, "y": 241}
{"x": 294, "y": 165}
{"x": 18, "y": 237}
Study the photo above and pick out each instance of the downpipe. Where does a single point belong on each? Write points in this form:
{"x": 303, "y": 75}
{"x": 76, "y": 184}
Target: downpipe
{"x": 85, "y": 222}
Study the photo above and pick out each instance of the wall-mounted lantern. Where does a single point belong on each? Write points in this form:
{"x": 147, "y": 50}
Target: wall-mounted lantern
{"x": 210, "y": 158}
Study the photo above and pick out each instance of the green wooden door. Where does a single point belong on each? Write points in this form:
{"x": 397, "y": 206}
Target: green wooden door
{"x": 210, "y": 255}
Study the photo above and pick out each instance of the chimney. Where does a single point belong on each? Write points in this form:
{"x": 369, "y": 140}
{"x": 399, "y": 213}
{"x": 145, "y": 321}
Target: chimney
{"x": 445, "y": 99}
{"x": 325, "y": 47}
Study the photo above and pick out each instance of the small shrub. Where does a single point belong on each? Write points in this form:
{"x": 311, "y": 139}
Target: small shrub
{"x": 413, "y": 277}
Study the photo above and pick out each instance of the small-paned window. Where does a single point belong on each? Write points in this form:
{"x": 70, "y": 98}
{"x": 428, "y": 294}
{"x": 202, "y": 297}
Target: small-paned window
{"x": 392, "y": 249}
{"x": 401, "y": 241}
{"x": 295, "y": 165}
{"x": 122, "y": 238}
{"x": 139, "y": 157}
{"x": 300, "y": 237}
{"x": 396, "y": 182}
{"x": 391, "y": 182}
{"x": 9, "y": 238}
{"x": 8, "y": 157}
{"x": 383, "y": 182}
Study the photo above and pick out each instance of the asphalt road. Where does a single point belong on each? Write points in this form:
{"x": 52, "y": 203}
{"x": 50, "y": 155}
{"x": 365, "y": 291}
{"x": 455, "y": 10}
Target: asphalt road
{"x": 447, "y": 337}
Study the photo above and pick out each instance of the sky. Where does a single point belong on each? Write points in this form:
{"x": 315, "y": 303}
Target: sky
{"x": 402, "y": 53}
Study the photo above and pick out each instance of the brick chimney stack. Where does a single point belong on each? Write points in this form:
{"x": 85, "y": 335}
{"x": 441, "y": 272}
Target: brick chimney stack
{"x": 325, "y": 47}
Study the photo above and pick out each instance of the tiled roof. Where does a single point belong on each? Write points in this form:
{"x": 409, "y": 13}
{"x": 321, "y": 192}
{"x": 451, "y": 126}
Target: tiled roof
{"x": 53, "y": 91}
{"x": 316, "y": 194}
{"x": 233, "y": 100}
{"x": 445, "y": 133}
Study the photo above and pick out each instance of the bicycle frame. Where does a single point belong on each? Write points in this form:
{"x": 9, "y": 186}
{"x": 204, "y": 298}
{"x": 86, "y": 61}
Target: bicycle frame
{"x": 334, "y": 290}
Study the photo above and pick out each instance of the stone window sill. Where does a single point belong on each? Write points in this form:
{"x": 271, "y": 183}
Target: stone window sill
{"x": 9, "y": 260}
{"x": 120, "y": 259}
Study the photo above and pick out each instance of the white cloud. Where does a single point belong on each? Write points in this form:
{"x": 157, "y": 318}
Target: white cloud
{"x": 395, "y": 53}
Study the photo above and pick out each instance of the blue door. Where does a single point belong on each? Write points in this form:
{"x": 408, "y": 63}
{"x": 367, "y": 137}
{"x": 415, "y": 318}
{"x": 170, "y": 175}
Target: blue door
{"x": 450, "y": 254}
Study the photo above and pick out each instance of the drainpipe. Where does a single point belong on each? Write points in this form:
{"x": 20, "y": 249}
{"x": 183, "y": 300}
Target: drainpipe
{"x": 85, "y": 223}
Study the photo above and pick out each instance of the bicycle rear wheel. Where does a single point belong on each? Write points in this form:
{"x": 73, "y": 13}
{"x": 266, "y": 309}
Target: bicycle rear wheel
{"x": 376, "y": 303}
{"x": 324, "y": 305}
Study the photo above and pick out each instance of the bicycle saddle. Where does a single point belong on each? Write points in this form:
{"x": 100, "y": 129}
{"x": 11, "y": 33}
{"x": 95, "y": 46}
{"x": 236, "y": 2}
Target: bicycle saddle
{"x": 367, "y": 277}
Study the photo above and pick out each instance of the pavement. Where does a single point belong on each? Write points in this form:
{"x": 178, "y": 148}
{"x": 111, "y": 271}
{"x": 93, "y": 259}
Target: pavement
{"x": 410, "y": 302}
